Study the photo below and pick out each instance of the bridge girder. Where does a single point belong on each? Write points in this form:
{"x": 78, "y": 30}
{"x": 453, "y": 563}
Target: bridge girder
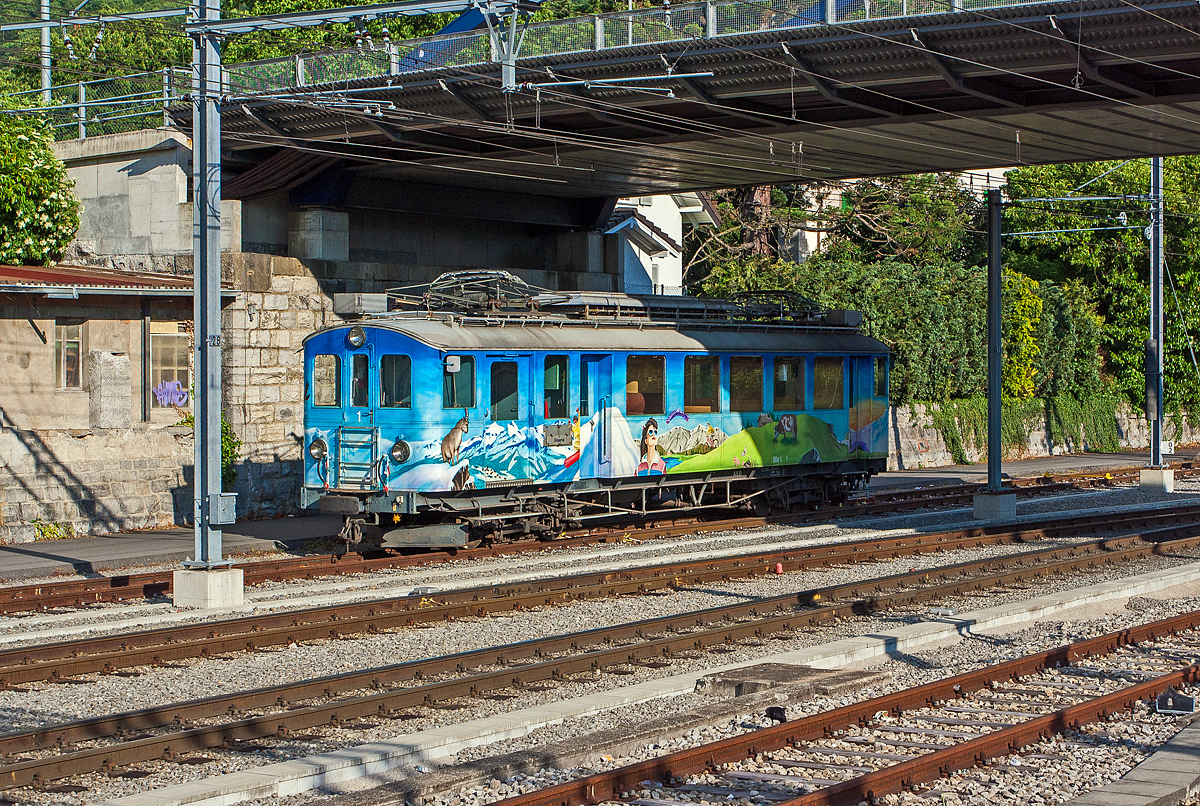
{"x": 936, "y": 92}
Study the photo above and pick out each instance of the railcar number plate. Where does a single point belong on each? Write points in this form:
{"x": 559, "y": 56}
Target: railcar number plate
{"x": 557, "y": 435}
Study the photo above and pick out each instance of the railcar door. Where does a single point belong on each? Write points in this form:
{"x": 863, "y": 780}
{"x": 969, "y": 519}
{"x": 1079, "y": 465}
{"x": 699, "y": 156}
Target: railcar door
{"x": 595, "y": 415}
{"x": 357, "y": 449}
{"x": 510, "y": 416}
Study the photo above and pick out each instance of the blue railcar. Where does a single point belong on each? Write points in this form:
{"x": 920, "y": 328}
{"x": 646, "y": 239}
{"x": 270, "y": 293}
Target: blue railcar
{"x": 479, "y": 418}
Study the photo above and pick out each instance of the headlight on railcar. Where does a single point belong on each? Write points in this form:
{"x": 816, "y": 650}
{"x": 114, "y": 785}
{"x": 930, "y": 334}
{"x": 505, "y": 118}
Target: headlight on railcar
{"x": 317, "y": 449}
{"x": 400, "y": 452}
{"x": 357, "y": 337}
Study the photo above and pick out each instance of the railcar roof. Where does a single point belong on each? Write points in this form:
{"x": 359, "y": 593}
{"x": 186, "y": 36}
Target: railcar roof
{"x": 450, "y": 333}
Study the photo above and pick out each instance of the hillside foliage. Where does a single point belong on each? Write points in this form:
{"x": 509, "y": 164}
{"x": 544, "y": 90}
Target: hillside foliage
{"x": 910, "y": 253}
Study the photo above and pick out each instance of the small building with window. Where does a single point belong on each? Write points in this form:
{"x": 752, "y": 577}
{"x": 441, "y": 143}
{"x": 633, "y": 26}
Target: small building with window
{"x": 646, "y": 239}
{"x": 96, "y": 372}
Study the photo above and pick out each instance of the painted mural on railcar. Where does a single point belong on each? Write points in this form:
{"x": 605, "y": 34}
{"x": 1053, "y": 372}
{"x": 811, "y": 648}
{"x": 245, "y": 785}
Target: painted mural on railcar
{"x": 453, "y": 440}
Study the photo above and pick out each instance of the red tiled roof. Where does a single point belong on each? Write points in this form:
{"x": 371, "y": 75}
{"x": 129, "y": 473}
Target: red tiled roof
{"x": 621, "y": 215}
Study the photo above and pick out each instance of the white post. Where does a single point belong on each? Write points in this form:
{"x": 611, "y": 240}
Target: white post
{"x": 44, "y": 52}
{"x": 82, "y": 113}
{"x": 166, "y": 96}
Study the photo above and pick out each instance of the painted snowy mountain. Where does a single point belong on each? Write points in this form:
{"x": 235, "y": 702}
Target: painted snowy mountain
{"x": 679, "y": 441}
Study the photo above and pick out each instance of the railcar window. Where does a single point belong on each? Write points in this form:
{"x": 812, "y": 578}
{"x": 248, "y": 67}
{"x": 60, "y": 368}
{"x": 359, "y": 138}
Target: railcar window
{"x": 504, "y": 391}
{"x": 359, "y": 378}
{"x": 395, "y": 379}
{"x": 789, "y": 383}
{"x": 645, "y": 384}
{"x": 326, "y": 374}
{"x": 458, "y": 388}
{"x": 829, "y": 382}
{"x": 881, "y": 376}
{"x": 746, "y": 383}
{"x": 555, "y": 387}
{"x": 701, "y": 383}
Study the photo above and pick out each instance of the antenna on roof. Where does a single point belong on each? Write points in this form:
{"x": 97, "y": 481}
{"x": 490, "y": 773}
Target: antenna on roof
{"x": 473, "y": 291}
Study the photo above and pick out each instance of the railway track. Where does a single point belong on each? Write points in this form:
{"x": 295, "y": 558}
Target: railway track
{"x": 393, "y": 692}
{"x": 77, "y": 593}
{"x": 881, "y": 746}
{"x": 109, "y": 654}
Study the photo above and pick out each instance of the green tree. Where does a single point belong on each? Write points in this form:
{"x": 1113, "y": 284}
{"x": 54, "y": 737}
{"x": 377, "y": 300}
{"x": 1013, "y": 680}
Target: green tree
{"x": 913, "y": 219}
{"x": 38, "y": 212}
{"x": 1104, "y": 253}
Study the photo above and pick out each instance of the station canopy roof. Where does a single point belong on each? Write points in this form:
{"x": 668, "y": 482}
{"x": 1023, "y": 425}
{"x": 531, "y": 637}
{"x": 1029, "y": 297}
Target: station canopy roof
{"x": 65, "y": 282}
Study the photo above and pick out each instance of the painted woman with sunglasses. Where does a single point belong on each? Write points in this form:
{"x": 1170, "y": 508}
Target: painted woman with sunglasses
{"x": 652, "y": 463}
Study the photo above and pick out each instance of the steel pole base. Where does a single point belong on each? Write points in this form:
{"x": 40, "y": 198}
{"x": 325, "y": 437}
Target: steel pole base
{"x": 209, "y": 590}
{"x": 1157, "y": 480}
{"x": 995, "y": 506}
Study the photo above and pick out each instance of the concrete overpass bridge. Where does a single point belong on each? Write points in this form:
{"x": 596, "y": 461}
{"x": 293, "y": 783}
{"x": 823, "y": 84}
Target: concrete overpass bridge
{"x": 719, "y": 94}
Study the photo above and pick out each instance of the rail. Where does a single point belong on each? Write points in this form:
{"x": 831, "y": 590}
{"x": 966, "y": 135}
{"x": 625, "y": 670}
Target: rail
{"x": 552, "y": 658}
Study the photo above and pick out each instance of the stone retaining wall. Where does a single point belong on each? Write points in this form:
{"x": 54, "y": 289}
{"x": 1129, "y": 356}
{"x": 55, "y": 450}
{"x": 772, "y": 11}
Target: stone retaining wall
{"x": 915, "y": 443}
{"x": 93, "y": 481}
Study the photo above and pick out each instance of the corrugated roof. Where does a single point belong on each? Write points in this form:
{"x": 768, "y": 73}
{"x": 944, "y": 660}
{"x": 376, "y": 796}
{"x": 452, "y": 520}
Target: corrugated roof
{"x": 88, "y": 280}
{"x": 751, "y": 339}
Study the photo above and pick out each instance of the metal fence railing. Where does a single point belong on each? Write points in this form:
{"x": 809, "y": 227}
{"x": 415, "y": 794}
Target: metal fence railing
{"x": 121, "y": 104}
{"x": 107, "y": 105}
{"x": 669, "y": 23}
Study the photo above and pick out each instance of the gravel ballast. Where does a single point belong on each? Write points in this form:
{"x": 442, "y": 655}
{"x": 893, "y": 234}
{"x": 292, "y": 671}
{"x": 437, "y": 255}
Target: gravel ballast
{"x": 55, "y": 703}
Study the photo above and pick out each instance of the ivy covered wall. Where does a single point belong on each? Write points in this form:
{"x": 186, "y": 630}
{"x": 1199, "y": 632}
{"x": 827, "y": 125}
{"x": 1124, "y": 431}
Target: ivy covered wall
{"x": 934, "y": 317}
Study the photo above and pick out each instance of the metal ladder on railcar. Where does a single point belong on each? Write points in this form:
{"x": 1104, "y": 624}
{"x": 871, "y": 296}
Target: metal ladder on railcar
{"x": 357, "y": 448}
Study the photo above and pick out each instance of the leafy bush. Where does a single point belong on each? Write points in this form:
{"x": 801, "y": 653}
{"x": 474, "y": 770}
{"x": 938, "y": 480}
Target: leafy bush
{"x": 231, "y": 449}
{"x": 51, "y": 530}
{"x": 934, "y": 317}
{"x": 1021, "y": 321}
{"x": 38, "y": 212}
{"x": 1096, "y": 248}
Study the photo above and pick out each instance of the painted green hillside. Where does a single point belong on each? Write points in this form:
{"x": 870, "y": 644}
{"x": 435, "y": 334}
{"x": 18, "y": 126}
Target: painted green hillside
{"x": 758, "y": 446}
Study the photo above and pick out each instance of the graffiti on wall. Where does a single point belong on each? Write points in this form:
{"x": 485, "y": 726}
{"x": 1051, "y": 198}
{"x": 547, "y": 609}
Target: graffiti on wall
{"x": 170, "y": 393}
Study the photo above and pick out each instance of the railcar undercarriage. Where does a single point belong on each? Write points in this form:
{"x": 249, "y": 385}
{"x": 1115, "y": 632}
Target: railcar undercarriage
{"x": 499, "y": 514}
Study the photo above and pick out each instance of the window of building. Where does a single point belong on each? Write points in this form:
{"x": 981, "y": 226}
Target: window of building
{"x": 555, "y": 402}
{"x": 395, "y": 382}
{"x": 458, "y": 388}
{"x": 326, "y": 375}
{"x": 505, "y": 397}
{"x": 645, "y": 384}
{"x": 789, "y": 383}
{"x": 359, "y": 380}
{"x": 829, "y": 382}
{"x": 746, "y": 383}
{"x": 68, "y": 354}
{"x": 881, "y": 376}
{"x": 701, "y": 383}
{"x": 170, "y": 377}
